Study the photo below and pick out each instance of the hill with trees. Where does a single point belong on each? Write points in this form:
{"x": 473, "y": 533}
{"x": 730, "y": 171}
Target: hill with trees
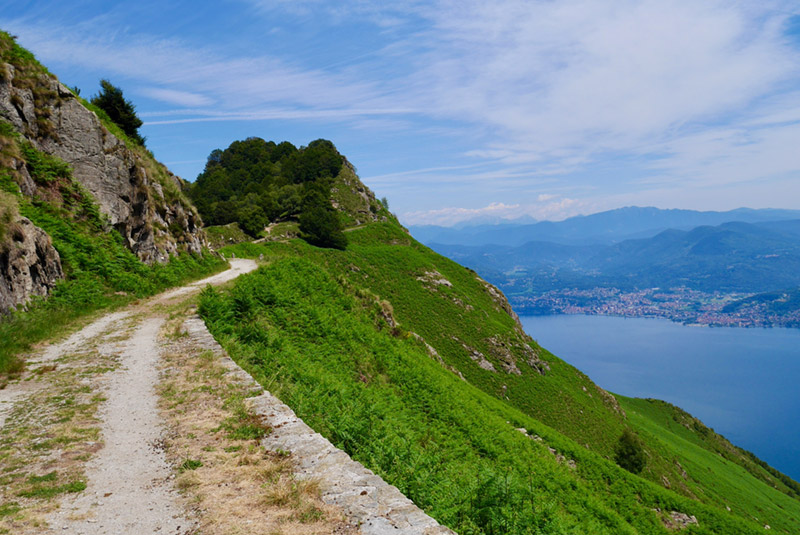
{"x": 257, "y": 183}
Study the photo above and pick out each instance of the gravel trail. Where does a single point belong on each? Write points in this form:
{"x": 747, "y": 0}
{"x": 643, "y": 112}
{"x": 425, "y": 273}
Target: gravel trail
{"x": 129, "y": 489}
{"x": 130, "y": 484}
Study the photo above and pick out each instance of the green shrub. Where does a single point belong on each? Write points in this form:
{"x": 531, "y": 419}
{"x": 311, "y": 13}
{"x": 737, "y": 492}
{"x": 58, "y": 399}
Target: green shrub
{"x": 629, "y": 452}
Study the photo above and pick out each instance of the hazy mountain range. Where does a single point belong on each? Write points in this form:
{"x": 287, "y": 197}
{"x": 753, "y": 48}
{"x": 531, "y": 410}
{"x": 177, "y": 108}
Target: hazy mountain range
{"x": 600, "y": 228}
{"x": 727, "y": 255}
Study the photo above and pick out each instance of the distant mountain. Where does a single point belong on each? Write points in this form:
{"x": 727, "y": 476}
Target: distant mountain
{"x": 606, "y": 228}
{"x": 732, "y": 257}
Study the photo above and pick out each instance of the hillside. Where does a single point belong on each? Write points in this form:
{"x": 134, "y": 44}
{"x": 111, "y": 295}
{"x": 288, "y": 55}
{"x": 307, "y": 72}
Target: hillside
{"x": 732, "y": 257}
{"x": 417, "y": 367}
{"x": 88, "y": 218}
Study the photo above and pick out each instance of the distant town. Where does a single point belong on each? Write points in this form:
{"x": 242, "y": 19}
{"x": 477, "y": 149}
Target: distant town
{"x": 682, "y": 305}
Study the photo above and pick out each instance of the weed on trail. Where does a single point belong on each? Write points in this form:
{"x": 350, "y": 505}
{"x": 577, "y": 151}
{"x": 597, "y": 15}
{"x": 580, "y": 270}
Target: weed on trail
{"x": 234, "y": 484}
{"x": 48, "y": 437}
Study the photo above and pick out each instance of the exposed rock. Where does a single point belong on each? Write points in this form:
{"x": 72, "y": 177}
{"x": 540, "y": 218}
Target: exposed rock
{"x": 611, "y": 401}
{"x": 665, "y": 482}
{"x": 500, "y": 350}
{"x": 29, "y": 265}
{"x": 349, "y": 194}
{"x": 386, "y": 311}
{"x": 433, "y": 279}
{"x": 429, "y": 348}
{"x": 500, "y": 301}
{"x": 530, "y": 354}
{"x": 684, "y": 475}
{"x": 124, "y": 185}
{"x": 678, "y": 520}
{"x": 508, "y": 349}
{"x": 478, "y": 357}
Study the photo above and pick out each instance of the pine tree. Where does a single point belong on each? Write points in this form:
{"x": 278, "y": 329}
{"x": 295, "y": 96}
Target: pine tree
{"x": 119, "y": 110}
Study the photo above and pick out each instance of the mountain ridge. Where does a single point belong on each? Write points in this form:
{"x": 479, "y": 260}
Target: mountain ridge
{"x": 599, "y": 228}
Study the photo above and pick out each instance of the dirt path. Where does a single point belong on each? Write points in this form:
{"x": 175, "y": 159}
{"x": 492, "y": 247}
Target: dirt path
{"x": 139, "y": 423}
{"x": 129, "y": 489}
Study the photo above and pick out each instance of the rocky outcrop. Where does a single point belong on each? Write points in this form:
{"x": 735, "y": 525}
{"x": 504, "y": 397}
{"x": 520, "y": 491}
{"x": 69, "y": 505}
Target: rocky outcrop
{"x": 29, "y": 264}
{"x": 351, "y": 197}
{"x": 140, "y": 197}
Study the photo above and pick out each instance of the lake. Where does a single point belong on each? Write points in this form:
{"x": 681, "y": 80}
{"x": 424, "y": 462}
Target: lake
{"x": 741, "y": 382}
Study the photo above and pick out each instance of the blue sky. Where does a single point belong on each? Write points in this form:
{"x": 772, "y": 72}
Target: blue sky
{"x": 461, "y": 109}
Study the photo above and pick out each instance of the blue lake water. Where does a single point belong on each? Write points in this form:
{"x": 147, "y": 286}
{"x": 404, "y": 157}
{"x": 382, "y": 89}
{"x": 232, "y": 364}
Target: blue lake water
{"x": 744, "y": 383}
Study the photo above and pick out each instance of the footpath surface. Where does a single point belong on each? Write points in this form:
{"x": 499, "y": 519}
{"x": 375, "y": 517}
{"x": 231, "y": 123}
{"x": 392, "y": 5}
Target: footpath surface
{"x": 140, "y": 423}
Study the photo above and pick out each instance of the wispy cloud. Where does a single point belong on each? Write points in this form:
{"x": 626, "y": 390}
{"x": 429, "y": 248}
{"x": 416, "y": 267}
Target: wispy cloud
{"x": 206, "y": 76}
{"x": 636, "y": 98}
{"x": 548, "y": 207}
{"x": 174, "y": 96}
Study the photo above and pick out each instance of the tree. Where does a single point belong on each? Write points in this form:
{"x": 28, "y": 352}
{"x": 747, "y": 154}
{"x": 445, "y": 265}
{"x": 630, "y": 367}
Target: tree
{"x": 119, "y": 110}
{"x": 319, "y": 222}
{"x": 629, "y": 452}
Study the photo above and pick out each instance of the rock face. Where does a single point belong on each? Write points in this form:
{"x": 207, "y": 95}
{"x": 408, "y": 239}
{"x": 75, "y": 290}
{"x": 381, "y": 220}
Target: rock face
{"x": 139, "y": 196}
{"x": 29, "y": 265}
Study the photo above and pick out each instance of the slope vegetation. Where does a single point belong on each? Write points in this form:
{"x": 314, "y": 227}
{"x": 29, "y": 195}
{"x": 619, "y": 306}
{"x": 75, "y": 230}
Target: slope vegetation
{"x": 417, "y": 368}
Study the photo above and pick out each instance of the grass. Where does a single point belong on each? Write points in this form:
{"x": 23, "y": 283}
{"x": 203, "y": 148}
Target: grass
{"x": 49, "y": 491}
{"x": 189, "y": 464}
{"x": 311, "y": 328}
{"x": 222, "y": 235}
{"x": 222, "y": 470}
{"x": 717, "y": 472}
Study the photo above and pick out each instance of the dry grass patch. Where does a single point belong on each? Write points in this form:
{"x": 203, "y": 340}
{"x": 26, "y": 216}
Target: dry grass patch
{"x": 49, "y": 435}
{"x": 230, "y": 481}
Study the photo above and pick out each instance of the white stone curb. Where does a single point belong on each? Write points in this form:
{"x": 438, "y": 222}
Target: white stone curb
{"x": 365, "y": 499}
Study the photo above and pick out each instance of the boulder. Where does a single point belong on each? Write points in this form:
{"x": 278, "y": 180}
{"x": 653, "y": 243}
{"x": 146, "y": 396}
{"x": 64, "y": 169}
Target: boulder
{"x": 29, "y": 265}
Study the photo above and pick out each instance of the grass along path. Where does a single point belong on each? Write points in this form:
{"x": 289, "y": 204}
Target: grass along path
{"x": 83, "y": 422}
{"x": 135, "y": 424}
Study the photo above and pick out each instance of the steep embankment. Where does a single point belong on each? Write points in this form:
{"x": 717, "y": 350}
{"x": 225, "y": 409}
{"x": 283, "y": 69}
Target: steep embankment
{"x": 137, "y": 196}
{"x": 417, "y": 368}
{"x": 87, "y": 217}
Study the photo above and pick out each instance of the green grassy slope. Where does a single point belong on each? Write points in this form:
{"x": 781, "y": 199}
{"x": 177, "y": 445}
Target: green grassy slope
{"x": 333, "y": 334}
{"x": 716, "y": 472}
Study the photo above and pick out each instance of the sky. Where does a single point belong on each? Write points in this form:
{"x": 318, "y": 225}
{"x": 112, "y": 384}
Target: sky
{"x": 461, "y": 110}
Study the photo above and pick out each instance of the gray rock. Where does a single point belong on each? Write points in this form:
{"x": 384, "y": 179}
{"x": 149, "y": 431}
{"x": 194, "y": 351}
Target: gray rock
{"x": 29, "y": 265}
{"x": 121, "y": 181}
{"x": 678, "y": 520}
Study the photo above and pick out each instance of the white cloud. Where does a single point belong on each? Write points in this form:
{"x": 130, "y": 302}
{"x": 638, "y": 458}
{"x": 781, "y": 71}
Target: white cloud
{"x": 584, "y": 76}
{"x": 173, "y": 96}
{"x": 550, "y": 207}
